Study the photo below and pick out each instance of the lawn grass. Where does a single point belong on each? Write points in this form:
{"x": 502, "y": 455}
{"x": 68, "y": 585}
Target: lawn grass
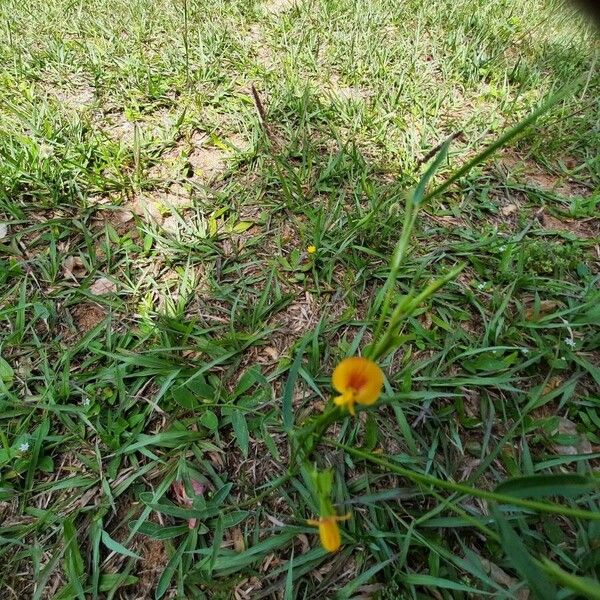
{"x": 159, "y": 306}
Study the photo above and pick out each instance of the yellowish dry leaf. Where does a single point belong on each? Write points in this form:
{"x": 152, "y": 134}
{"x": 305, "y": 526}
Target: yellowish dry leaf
{"x": 73, "y": 267}
{"x": 103, "y": 286}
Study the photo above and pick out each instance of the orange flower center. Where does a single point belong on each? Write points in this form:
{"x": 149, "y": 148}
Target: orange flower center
{"x": 356, "y": 381}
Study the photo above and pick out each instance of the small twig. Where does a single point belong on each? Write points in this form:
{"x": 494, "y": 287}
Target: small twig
{"x": 437, "y": 148}
{"x": 259, "y": 106}
{"x": 263, "y": 116}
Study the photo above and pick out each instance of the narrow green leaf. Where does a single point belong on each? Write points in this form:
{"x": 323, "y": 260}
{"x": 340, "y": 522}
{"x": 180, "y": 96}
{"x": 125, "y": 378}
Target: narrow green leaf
{"x": 165, "y": 579}
{"x": 216, "y": 545}
{"x": 114, "y": 546}
{"x": 521, "y": 560}
{"x": 155, "y": 497}
{"x": 435, "y": 165}
{"x": 252, "y": 376}
{"x": 539, "y": 486}
{"x": 44, "y": 575}
{"x": 405, "y": 428}
{"x": 350, "y": 588}
{"x": 288, "y": 392}
{"x": 109, "y": 581}
{"x": 95, "y": 534}
{"x": 221, "y": 494}
{"x": 6, "y": 371}
{"x": 371, "y": 432}
{"x": 209, "y": 420}
{"x": 233, "y": 518}
{"x": 184, "y": 397}
{"x": 440, "y": 582}
{"x": 547, "y": 507}
{"x": 234, "y": 561}
{"x": 288, "y": 593}
{"x": 593, "y": 370}
{"x": 240, "y": 427}
{"x": 168, "y": 508}
{"x": 157, "y": 532}
{"x": 165, "y": 439}
{"x": 587, "y": 588}
{"x": 73, "y": 560}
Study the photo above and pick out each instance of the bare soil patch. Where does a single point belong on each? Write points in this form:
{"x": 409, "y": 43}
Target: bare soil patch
{"x": 529, "y": 173}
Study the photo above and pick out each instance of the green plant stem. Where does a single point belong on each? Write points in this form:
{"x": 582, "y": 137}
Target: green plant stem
{"x": 410, "y": 217}
{"x": 506, "y": 137}
{"x": 315, "y": 430}
{"x": 406, "y": 307}
{"x": 546, "y": 507}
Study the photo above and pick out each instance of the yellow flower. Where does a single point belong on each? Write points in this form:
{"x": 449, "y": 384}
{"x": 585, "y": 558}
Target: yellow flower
{"x": 311, "y": 249}
{"x": 357, "y": 379}
{"x": 329, "y": 532}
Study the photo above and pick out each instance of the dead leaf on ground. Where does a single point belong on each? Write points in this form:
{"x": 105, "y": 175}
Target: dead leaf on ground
{"x": 272, "y": 353}
{"x": 247, "y": 588}
{"x": 154, "y": 560}
{"x": 347, "y": 92}
{"x": 275, "y": 521}
{"x": 76, "y": 97}
{"x": 553, "y": 384}
{"x": 509, "y": 209}
{"x": 304, "y": 543}
{"x": 123, "y": 215}
{"x": 368, "y": 591}
{"x": 216, "y": 458}
{"x": 103, "y": 286}
{"x": 3, "y": 230}
{"x": 238, "y": 540}
{"x": 426, "y": 320}
{"x": 445, "y": 220}
{"x": 582, "y": 446}
{"x": 545, "y": 307}
{"x": 171, "y": 224}
{"x": 147, "y": 208}
{"x": 74, "y": 267}
{"x": 119, "y": 128}
{"x": 503, "y": 578}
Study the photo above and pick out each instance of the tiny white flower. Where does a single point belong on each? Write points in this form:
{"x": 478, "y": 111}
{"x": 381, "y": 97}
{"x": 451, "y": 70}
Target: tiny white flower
{"x": 501, "y": 248}
{"x": 570, "y": 342}
{"x": 24, "y": 447}
{"x": 85, "y": 401}
{"x": 525, "y": 350}
{"x": 481, "y": 285}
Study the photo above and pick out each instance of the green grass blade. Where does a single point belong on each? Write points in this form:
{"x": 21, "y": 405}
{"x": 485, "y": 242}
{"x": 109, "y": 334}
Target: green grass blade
{"x": 522, "y": 561}
{"x": 586, "y": 587}
{"x": 539, "y": 486}
{"x": 114, "y": 546}
{"x": 288, "y": 390}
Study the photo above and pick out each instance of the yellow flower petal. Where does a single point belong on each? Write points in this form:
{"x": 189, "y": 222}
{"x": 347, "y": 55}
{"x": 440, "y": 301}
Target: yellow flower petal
{"x": 311, "y": 249}
{"x": 329, "y": 532}
{"x": 346, "y": 400}
{"x": 357, "y": 379}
